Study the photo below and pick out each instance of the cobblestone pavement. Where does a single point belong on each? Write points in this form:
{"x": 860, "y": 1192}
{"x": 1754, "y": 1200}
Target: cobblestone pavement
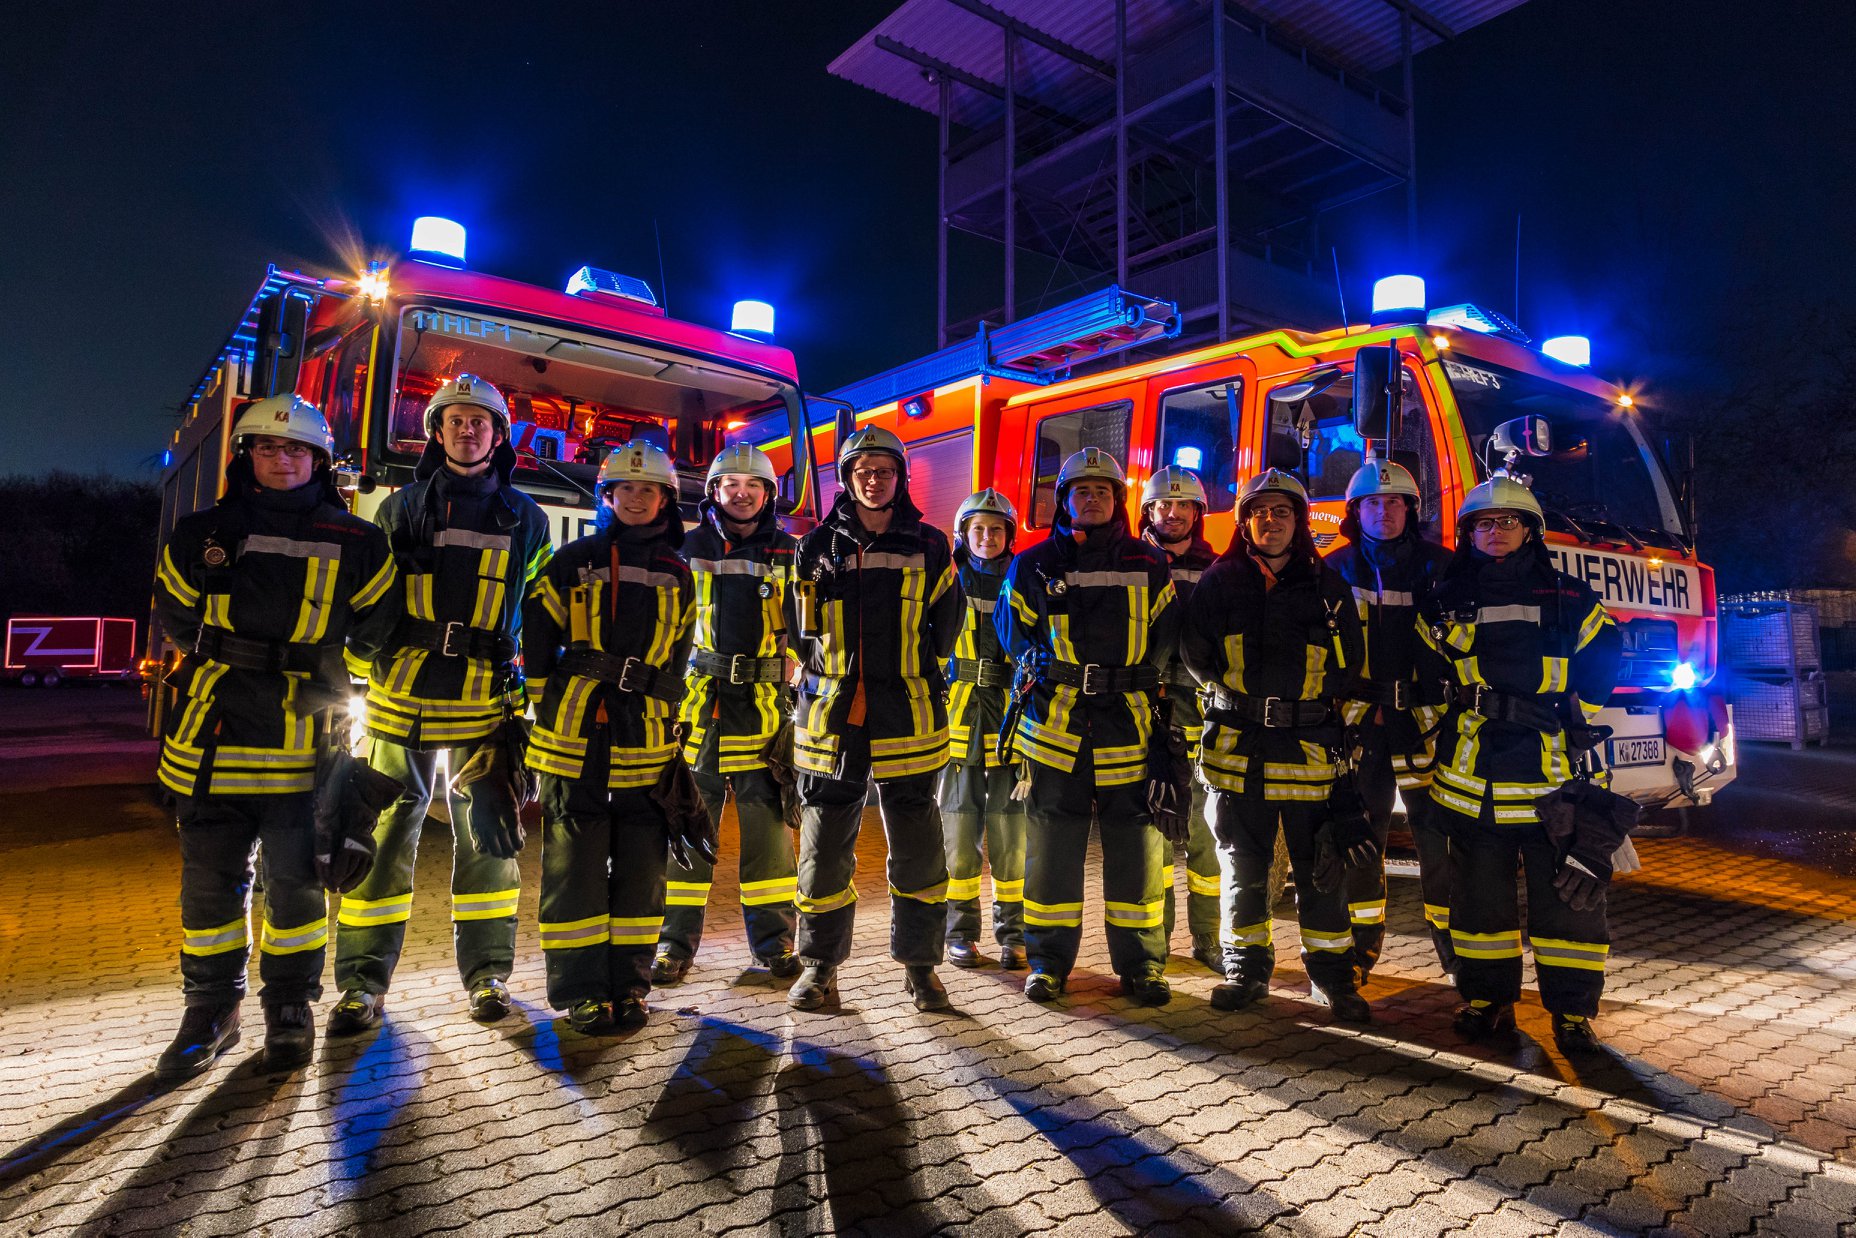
{"x": 1726, "y": 1105}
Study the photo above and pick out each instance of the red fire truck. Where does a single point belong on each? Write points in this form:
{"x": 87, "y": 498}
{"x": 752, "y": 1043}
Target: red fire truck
{"x": 47, "y": 649}
{"x": 1451, "y": 393}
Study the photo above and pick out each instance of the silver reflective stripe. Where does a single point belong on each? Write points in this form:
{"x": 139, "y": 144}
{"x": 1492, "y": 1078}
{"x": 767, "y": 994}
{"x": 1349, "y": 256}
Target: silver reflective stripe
{"x": 731, "y": 567}
{"x": 476, "y": 541}
{"x": 897, "y": 563}
{"x": 1508, "y": 614}
{"x": 631, "y": 576}
{"x": 258, "y": 545}
{"x": 307, "y": 935}
{"x": 1187, "y": 575}
{"x": 1389, "y": 597}
{"x": 238, "y": 932}
{"x": 1593, "y": 954}
{"x": 984, "y": 605}
{"x": 1105, "y": 580}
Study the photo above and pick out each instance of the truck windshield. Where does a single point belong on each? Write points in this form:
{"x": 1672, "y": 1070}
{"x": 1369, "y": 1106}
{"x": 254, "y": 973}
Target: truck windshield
{"x": 1602, "y": 476}
{"x": 573, "y": 398}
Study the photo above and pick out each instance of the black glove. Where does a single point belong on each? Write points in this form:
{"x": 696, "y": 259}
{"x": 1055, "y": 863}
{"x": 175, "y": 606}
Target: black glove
{"x": 1169, "y": 782}
{"x": 350, "y": 796}
{"x": 1579, "y": 889}
{"x": 1326, "y": 871}
{"x": 686, "y": 820}
{"x": 1350, "y": 829}
{"x": 497, "y": 836}
{"x": 1589, "y": 823}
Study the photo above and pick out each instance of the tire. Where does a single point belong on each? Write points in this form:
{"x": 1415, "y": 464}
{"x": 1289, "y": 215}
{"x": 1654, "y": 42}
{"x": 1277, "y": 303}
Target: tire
{"x": 28, "y": 679}
{"x": 52, "y": 679}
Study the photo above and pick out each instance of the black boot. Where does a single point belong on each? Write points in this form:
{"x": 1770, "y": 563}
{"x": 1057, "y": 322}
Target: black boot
{"x": 1148, "y": 987}
{"x": 780, "y": 966}
{"x": 1043, "y": 986}
{"x": 1574, "y": 1035}
{"x": 205, "y": 1033}
{"x": 1485, "y": 1021}
{"x": 489, "y": 1001}
{"x": 356, "y": 1012}
{"x": 289, "y": 1035}
{"x": 1345, "y": 1001}
{"x": 1239, "y": 992}
{"x": 668, "y": 969}
{"x": 929, "y": 992}
{"x": 816, "y": 985}
{"x": 591, "y": 1017}
{"x": 962, "y": 953}
{"x": 629, "y": 1012}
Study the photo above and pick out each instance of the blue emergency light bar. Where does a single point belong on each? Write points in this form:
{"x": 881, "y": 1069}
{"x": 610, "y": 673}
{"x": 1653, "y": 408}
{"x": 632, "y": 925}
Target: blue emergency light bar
{"x": 1189, "y": 458}
{"x": 753, "y": 317}
{"x": 434, "y": 237}
{"x": 610, "y": 284}
{"x": 1572, "y": 349}
{"x": 1397, "y": 297}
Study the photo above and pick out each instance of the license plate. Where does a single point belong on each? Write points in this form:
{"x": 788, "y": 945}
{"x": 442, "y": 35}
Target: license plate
{"x": 1637, "y": 750}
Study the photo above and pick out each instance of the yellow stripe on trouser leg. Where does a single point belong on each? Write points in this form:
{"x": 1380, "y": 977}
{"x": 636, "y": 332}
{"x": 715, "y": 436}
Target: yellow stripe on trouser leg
{"x": 961, "y": 889}
{"x": 1438, "y": 915}
{"x": 567, "y": 934}
{"x": 635, "y": 930}
{"x": 1054, "y": 915}
{"x": 1202, "y": 883}
{"x": 494, "y": 905}
{"x": 1008, "y": 891}
{"x": 688, "y": 893}
{"x": 234, "y": 935}
{"x": 1373, "y": 912}
{"x": 770, "y": 892}
{"x": 1326, "y": 943}
{"x": 311, "y": 936}
{"x": 830, "y": 902}
{"x": 1134, "y": 915}
{"x": 936, "y": 893}
{"x": 364, "y": 912}
{"x": 1503, "y": 945}
{"x": 1258, "y": 934}
{"x": 1556, "y": 952}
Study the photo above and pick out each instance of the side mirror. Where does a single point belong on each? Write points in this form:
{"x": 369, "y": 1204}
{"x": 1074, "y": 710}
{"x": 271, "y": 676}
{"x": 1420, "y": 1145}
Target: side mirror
{"x": 1525, "y": 436}
{"x": 1378, "y": 392}
{"x": 1296, "y": 392}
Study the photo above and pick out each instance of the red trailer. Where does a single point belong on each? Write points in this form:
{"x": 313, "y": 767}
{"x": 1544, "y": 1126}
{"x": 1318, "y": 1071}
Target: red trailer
{"x": 48, "y": 649}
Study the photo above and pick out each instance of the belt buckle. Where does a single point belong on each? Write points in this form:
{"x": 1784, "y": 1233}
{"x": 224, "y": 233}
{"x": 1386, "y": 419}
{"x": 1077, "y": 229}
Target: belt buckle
{"x": 1401, "y": 695}
{"x": 1089, "y": 673}
{"x": 625, "y": 676}
{"x": 1475, "y": 698}
{"x": 1270, "y": 704}
{"x": 452, "y": 629}
{"x": 734, "y": 669}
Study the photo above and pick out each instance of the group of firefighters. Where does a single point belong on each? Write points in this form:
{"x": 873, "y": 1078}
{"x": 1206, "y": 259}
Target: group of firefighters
{"x": 1001, "y": 703}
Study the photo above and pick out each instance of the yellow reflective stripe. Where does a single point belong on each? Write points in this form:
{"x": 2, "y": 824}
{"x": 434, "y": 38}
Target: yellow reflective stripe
{"x": 635, "y": 930}
{"x": 936, "y": 893}
{"x": 492, "y": 906}
{"x": 1326, "y": 943}
{"x": 1008, "y": 891}
{"x": 767, "y": 893}
{"x": 567, "y": 934}
{"x": 1054, "y": 915}
{"x": 1368, "y": 912}
{"x": 232, "y": 935}
{"x": 830, "y": 902}
{"x": 1258, "y": 934}
{"x": 550, "y": 599}
{"x": 311, "y": 936}
{"x": 319, "y": 575}
{"x": 376, "y": 588}
{"x": 1502, "y": 945}
{"x": 1438, "y": 915}
{"x": 1557, "y": 952}
{"x": 1134, "y": 915}
{"x": 359, "y": 913}
{"x": 962, "y": 889}
{"x": 686, "y": 893}
{"x": 1594, "y": 623}
{"x": 1200, "y": 883}
{"x": 169, "y": 575}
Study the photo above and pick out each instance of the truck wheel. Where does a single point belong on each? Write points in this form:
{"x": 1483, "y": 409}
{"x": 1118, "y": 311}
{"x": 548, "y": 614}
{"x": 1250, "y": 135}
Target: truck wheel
{"x": 52, "y": 679}
{"x": 28, "y": 679}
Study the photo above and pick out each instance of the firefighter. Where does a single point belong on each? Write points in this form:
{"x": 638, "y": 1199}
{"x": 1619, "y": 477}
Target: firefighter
{"x": 976, "y": 786}
{"x": 1088, "y": 616}
{"x": 741, "y": 562}
{"x": 260, "y": 592}
{"x": 607, "y": 627}
{"x": 1173, "y": 518}
{"x": 1393, "y": 711}
{"x": 468, "y": 545}
{"x": 1532, "y": 655}
{"x": 875, "y": 610}
{"x": 1274, "y": 631}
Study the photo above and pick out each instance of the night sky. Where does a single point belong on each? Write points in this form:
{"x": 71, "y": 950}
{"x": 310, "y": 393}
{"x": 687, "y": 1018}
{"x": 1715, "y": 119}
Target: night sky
{"x": 1678, "y": 167}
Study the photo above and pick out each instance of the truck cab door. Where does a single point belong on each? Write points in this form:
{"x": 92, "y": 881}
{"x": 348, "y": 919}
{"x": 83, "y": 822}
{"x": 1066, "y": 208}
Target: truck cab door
{"x": 283, "y": 324}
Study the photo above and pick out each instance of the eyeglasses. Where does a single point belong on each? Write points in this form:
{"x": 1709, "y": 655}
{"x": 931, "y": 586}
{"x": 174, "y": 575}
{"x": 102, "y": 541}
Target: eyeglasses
{"x": 1488, "y": 524}
{"x": 1270, "y": 513}
{"x": 270, "y": 451}
{"x": 868, "y": 475}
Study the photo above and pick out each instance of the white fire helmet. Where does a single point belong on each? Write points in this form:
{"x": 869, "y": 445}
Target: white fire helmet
{"x": 468, "y": 389}
{"x": 287, "y": 417}
{"x": 1173, "y": 482}
{"x": 872, "y": 439}
{"x": 1500, "y": 493}
{"x": 1091, "y": 464}
{"x": 741, "y": 460}
{"x": 1274, "y": 481}
{"x": 1382, "y": 477}
{"x": 987, "y": 502}
{"x": 638, "y": 461}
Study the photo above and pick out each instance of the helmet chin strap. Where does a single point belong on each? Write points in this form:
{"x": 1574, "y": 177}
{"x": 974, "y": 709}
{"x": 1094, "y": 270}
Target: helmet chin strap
{"x": 461, "y": 465}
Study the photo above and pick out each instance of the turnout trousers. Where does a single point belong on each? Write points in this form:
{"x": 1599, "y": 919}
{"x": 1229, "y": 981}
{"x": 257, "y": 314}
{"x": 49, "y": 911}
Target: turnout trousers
{"x": 1133, "y": 870}
{"x": 1246, "y": 828}
{"x": 977, "y": 807}
{"x": 768, "y": 872}
{"x": 1570, "y": 947}
{"x": 1202, "y": 880}
{"x": 1365, "y": 888}
{"x": 831, "y": 814}
{"x": 217, "y": 836}
{"x": 484, "y": 889}
{"x": 603, "y": 854}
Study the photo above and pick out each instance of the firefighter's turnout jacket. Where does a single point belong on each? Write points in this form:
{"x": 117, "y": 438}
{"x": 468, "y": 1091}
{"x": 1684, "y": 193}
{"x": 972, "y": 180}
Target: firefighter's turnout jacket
{"x": 1518, "y": 636}
{"x": 1388, "y": 580}
{"x": 871, "y": 618}
{"x": 613, "y": 659}
{"x": 731, "y": 712}
{"x": 1182, "y": 690}
{"x": 261, "y": 592}
{"x": 1100, "y": 604}
{"x": 979, "y": 678}
{"x": 1266, "y": 643}
{"x": 468, "y": 550}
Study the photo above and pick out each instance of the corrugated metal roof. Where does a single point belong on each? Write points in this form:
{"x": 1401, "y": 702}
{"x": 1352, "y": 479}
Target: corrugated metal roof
{"x": 1362, "y": 35}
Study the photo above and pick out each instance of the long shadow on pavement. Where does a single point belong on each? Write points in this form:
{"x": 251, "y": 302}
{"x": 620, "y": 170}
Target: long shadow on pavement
{"x": 63, "y": 1151}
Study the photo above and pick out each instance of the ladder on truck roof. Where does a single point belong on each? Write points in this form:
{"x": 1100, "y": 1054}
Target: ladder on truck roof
{"x": 243, "y": 342}
{"x": 1040, "y": 349}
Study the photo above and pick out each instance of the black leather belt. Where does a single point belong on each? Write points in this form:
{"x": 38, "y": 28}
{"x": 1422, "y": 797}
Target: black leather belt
{"x": 985, "y": 674}
{"x": 1240, "y": 709}
{"x": 1095, "y": 679}
{"x": 249, "y": 654}
{"x": 738, "y": 668}
{"x": 456, "y": 640}
{"x": 1399, "y": 694}
{"x": 1534, "y": 712}
{"x": 625, "y": 674}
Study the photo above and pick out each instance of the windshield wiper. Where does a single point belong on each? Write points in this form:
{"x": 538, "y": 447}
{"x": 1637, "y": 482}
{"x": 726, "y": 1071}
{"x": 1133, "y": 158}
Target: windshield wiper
{"x": 1578, "y": 530}
{"x": 544, "y": 462}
